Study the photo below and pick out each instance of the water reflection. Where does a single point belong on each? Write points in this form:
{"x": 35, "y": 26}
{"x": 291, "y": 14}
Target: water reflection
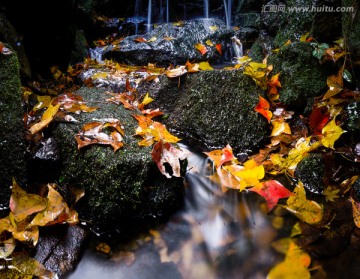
{"x": 216, "y": 235}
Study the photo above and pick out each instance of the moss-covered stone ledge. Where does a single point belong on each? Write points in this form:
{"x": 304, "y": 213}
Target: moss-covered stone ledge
{"x": 212, "y": 108}
{"x": 124, "y": 190}
{"x": 12, "y": 146}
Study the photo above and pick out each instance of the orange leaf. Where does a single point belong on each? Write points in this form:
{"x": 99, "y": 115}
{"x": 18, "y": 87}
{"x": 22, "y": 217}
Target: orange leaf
{"x": 263, "y": 108}
{"x": 140, "y": 40}
{"x": 219, "y": 157}
{"x": 219, "y": 48}
{"x": 201, "y": 48}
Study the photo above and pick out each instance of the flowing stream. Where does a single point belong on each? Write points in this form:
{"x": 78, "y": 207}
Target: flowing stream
{"x": 216, "y": 235}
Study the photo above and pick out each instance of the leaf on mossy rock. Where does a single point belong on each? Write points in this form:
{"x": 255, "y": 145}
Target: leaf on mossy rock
{"x": 165, "y": 153}
{"x": 107, "y": 132}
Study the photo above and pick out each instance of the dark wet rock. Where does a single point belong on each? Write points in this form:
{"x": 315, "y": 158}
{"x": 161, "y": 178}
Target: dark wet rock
{"x": 211, "y": 108}
{"x": 60, "y": 247}
{"x": 124, "y": 190}
{"x": 80, "y": 49}
{"x": 310, "y": 171}
{"x": 12, "y": 146}
{"x": 176, "y": 51}
{"x": 45, "y": 161}
{"x": 352, "y": 112}
{"x": 302, "y": 76}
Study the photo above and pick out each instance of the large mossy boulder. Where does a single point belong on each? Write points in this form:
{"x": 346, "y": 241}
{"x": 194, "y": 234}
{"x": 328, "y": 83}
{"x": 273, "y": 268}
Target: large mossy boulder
{"x": 301, "y": 74}
{"x": 12, "y": 146}
{"x": 171, "y": 43}
{"x": 124, "y": 190}
{"x": 212, "y": 108}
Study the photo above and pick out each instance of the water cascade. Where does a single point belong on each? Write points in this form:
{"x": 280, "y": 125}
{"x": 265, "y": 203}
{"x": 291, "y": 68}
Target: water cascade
{"x": 167, "y": 11}
{"x": 228, "y": 8}
{"x": 237, "y": 48}
{"x": 206, "y": 8}
{"x": 149, "y": 16}
{"x": 216, "y": 235}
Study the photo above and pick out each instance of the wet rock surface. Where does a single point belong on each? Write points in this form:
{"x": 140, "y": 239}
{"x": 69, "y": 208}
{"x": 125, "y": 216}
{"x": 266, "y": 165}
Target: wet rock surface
{"x": 60, "y": 248}
{"x": 177, "y": 50}
{"x": 211, "y": 108}
{"x": 124, "y": 190}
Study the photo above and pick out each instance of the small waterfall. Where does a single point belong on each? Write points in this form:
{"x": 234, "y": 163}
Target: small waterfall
{"x": 228, "y": 9}
{"x": 206, "y": 8}
{"x": 167, "y": 11}
{"x": 149, "y": 17}
{"x": 237, "y": 47}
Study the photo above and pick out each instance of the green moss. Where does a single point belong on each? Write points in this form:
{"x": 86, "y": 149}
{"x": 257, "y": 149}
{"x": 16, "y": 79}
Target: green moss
{"x": 310, "y": 172}
{"x": 302, "y": 76}
{"x": 117, "y": 184}
{"x": 12, "y": 147}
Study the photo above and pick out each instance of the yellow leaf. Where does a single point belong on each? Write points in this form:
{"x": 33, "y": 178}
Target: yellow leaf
{"x": 280, "y": 127}
{"x": 46, "y": 118}
{"x": 306, "y": 210}
{"x": 331, "y": 193}
{"x": 100, "y": 75}
{"x": 251, "y": 174}
{"x": 147, "y": 99}
{"x": 331, "y": 133}
{"x": 43, "y": 102}
{"x": 152, "y": 39}
{"x": 213, "y": 28}
{"x": 23, "y": 204}
{"x": 209, "y": 42}
{"x": 201, "y": 48}
{"x": 205, "y": 66}
{"x": 304, "y": 37}
{"x": 294, "y": 266}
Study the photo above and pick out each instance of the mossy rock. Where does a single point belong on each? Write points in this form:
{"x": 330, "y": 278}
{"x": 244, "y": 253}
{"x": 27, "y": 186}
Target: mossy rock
{"x": 12, "y": 146}
{"x": 124, "y": 190}
{"x": 212, "y": 108}
{"x": 301, "y": 75}
{"x": 352, "y": 112}
{"x": 310, "y": 171}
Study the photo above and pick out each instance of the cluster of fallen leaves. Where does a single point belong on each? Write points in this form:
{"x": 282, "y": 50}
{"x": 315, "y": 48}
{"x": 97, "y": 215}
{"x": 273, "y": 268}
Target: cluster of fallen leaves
{"x": 289, "y": 145}
{"x": 28, "y": 212}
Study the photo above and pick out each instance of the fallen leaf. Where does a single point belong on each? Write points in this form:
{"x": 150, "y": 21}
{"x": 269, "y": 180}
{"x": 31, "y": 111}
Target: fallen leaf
{"x": 219, "y": 48}
{"x": 23, "y": 204}
{"x": 46, "y": 118}
{"x": 331, "y": 132}
{"x": 272, "y": 191}
{"x": 201, "y": 48}
{"x": 179, "y": 71}
{"x": 209, "y": 42}
{"x": 356, "y": 211}
{"x": 263, "y": 108}
{"x": 306, "y": 210}
{"x": 205, "y": 66}
{"x": 94, "y": 133}
{"x": 166, "y": 153}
